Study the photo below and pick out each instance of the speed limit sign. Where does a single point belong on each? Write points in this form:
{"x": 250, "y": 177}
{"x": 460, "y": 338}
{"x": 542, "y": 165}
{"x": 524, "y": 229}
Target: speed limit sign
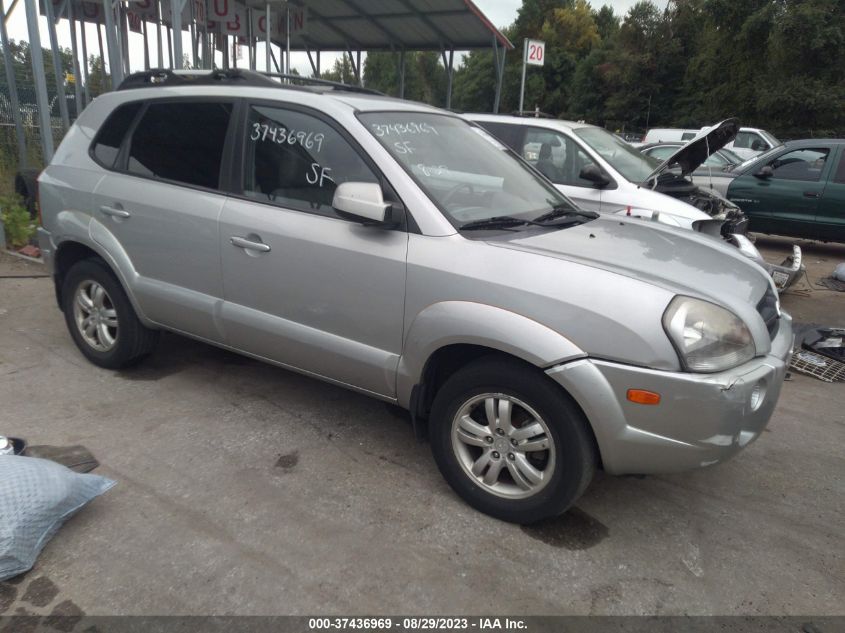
{"x": 535, "y": 52}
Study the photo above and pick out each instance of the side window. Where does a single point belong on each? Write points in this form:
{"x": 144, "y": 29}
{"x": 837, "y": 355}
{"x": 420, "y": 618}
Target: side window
{"x": 743, "y": 140}
{"x": 555, "y": 156}
{"x": 662, "y": 153}
{"x": 108, "y": 140}
{"x": 716, "y": 160}
{"x": 686, "y": 136}
{"x": 508, "y": 134}
{"x": 296, "y": 160}
{"x": 840, "y": 172}
{"x": 800, "y": 164}
{"x": 181, "y": 141}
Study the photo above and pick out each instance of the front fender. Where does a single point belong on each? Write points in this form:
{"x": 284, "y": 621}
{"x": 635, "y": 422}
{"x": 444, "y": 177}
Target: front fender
{"x": 469, "y": 323}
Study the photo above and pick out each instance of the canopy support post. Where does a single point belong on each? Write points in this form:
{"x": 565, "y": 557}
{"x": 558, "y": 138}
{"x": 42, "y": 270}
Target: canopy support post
{"x": 267, "y": 52}
{"x": 57, "y": 66}
{"x": 146, "y": 45}
{"x": 176, "y": 27}
{"x": 448, "y": 64}
{"x": 74, "y": 48}
{"x": 499, "y": 67}
{"x": 14, "y": 102}
{"x": 159, "y": 43}
{"x": 287, "y": 38}
{"x": 402, "y": 73}
{"x": 84, "y": 38}
{"x": 115, "y": 65}
{"x": 40, "y": 80}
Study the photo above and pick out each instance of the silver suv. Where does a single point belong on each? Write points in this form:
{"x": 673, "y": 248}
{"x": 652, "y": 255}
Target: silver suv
{"x": 401, "y": 251}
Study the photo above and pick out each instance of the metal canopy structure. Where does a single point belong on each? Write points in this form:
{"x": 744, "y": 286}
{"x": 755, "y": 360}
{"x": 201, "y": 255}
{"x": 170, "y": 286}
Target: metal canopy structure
{"x": 351, "y": 27}
{"x": 390, "y": 25}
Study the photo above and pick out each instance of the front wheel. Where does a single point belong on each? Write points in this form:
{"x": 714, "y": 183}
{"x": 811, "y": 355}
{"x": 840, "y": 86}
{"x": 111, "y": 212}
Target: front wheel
{"x": 510, "y": 442}
{"x": 101, "y": 319}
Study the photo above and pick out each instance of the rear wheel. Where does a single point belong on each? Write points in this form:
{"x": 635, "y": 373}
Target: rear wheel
{"x": 510, "y": 442}
{"x": 101, "y": 319}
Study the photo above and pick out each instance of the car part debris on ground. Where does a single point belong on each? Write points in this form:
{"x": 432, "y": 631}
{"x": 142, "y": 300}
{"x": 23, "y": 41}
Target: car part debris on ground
{"x": 36, "y": 498}
{"x": 820, "y": 353}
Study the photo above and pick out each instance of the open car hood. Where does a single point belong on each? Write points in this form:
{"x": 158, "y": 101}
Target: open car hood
{"x": 691, "y": 156}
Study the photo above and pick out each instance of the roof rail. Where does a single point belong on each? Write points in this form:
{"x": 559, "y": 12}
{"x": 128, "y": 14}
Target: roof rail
{"x": 533, "y": 114}
{"x": 314, "y": 81}
{"x": 235, "y": 76}
{"x": 168, "y": 77}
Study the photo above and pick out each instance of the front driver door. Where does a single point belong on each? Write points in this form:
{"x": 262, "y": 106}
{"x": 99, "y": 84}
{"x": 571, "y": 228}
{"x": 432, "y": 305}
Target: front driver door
{"x": 831, "y": 215}
{"x": 302, "y": 286}
{"x": 786, "y": 203}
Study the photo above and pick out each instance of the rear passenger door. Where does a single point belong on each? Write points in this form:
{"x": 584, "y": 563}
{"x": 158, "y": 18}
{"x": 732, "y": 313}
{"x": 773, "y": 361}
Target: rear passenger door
{"x": 831, "y": 214}
{"x": 160, "y": 203}
{"x": 302, "y": 286}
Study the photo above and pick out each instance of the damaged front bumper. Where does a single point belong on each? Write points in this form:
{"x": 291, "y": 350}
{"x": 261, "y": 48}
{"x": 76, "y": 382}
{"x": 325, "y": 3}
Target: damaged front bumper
{"x": 701, "y": 419}
{"x": 784, "y": 274}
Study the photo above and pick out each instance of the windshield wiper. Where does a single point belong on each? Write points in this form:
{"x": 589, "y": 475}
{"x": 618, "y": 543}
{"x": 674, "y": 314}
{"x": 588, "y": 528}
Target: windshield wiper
{"x": 498, "y": 222}
{"x": 564, "y": 212}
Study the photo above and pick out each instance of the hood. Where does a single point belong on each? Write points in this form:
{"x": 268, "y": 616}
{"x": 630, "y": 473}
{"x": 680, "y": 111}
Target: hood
{"x": 692, "y": 155}
{"x": 680, "y": 261}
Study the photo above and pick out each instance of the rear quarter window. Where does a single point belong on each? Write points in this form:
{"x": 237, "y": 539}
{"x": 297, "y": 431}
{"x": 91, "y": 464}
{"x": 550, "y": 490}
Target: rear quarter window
{"x": 106, "y": 145}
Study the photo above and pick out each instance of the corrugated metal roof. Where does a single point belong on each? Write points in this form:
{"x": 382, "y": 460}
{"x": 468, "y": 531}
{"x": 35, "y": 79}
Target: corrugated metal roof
{"x": 391, "y": 25}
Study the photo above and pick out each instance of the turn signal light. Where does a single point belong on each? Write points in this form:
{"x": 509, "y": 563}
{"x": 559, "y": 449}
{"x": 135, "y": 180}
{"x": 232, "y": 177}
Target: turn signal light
{"x": 641, "y": 396}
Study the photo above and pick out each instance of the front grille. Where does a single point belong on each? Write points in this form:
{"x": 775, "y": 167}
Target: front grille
{"x": 768, "y": 309}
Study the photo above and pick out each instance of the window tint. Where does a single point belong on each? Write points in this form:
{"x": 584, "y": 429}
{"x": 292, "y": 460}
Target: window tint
{"x": 297, "y": 160}
{"x": 840, "y": 173}
{"x": 800, "y": 164}
{"x": 508, "y": 134}
{"x": 181, "y": 141}
{"x": 555, "y": 156}
{"x": 109, "y": 138}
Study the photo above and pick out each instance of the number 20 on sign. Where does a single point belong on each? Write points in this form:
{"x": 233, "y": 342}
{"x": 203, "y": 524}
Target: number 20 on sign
{"x": 535, "y": 52}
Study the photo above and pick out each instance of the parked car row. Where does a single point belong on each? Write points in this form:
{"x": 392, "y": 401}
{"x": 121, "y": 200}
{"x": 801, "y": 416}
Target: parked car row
{"x": 404, "y": 252}
{"x": 748, "y": 143}
{"x": 796, "y": 189}
{"x": 601, "y": 172}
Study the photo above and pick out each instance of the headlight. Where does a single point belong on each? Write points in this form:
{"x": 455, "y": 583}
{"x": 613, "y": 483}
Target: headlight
{"x": 708, "y": 338}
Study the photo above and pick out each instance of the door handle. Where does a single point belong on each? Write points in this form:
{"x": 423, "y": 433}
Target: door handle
{"x": 812, "y": 194}
{"x": 114, "y": 212}
{"x": 242, "y": 242}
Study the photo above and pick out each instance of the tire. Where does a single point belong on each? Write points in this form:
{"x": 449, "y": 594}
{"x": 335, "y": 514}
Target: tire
{"x": 567, "y": 463}
{"x": 120, "y": 345}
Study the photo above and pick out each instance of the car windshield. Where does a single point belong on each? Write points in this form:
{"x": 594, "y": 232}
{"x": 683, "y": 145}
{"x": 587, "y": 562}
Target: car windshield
{"x": 734, "y": 159}
{"x": 468, "y": 174}
{"x": 771, "y": 138}
{"x": 624, "y": 158}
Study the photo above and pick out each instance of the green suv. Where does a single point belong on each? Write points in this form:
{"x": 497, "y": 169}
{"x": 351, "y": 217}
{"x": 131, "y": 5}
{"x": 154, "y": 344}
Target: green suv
{"x": 795, "y": 189}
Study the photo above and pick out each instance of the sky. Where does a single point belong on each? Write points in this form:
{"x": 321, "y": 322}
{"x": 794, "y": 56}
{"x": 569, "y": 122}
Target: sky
{"x": 500, "y": 12}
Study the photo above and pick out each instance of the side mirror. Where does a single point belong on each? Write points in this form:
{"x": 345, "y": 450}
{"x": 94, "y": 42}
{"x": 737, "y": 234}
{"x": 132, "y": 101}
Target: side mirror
{"x": 759, "y": 146}
{"x": 592, "y": 173}
{"x": 362, "y": 202}
{"x": 765, "y": 172}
